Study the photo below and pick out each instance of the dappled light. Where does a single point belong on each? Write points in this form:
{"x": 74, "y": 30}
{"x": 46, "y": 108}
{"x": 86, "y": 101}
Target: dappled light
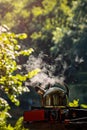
{"x": 43, "y": 45}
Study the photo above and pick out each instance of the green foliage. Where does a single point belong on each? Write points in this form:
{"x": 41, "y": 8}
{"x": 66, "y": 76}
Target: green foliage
{"x": 19, "y": 124}
{"x": 33, "y": 73}
{"x": 26, "y": 52}
{"x": 37, "y": 11}
{"x": 48, "y": 5}
{"x": 55, "y": 27}
{"x": 58, "y": 28}
{"x": 58, "y": 34}
{"x": 75, "y": 103}
{"x": 36, "y": 36}
{"x": 4, "y": 107}
{"x": 84, "y": 106}
{"x": 11, "y": 82}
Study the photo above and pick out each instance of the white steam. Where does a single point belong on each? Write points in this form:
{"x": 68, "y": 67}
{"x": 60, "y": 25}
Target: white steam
{"x": 46, "y": 76}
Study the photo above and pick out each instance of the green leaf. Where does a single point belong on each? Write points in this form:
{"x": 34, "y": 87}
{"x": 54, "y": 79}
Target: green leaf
{"x": 75, "y": 103}
{"x": 83, "y": 105}
{"x": 26, "y": 52}
{"x": 33, "y": 73}
{"x": 22, "y": 36}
